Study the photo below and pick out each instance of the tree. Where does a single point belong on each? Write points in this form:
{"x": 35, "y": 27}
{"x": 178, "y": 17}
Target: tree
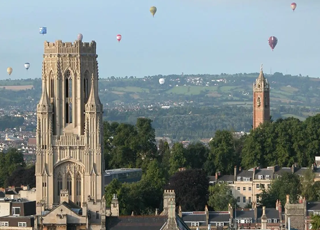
{"x": 22, "y": 176}
{"x": 196, "y": 155}
{"x": 191, "y": 188}
{"x": 177, "y": 158}
{"x": 307, "y": 189}
{"x": 222, "y": 147}
{"x": 220, "y": 196}
{"x": 287, "y": 184}
{"x": 315, "y": 222}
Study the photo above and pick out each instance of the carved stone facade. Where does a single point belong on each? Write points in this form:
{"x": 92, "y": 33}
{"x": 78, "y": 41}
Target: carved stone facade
{"x": 261, "y": 100}
{"x": 69, "y": 130}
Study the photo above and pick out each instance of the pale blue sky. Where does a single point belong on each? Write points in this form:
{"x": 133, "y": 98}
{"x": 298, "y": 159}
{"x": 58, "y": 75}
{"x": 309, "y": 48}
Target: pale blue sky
{"x": 190, "y": 36}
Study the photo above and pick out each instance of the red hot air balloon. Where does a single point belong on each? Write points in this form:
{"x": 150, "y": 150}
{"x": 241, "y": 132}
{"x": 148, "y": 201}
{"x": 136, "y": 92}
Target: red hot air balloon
{"x": 273, "y": 42}
{"x": 119, "y": 37}
{"x": 293, "y": 6}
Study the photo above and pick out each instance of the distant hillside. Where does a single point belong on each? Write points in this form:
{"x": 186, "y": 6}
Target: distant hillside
{"x": 197, "y": 90}
{"x": 189, "y": 107}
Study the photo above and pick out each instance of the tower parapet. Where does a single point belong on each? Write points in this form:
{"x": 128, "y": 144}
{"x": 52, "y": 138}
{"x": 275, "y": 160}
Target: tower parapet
{"x": 77, "y": 47}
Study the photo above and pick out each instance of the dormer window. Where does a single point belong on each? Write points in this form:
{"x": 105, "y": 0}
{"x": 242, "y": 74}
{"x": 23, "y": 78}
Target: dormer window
{"x": 239, "y": 178}
{"x": 267, "y": 177}
{"x": 260, "y": 177}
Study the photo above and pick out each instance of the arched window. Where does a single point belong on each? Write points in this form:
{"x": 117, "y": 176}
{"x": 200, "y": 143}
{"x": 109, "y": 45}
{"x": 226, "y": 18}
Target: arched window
{"x": 68, "y": 96}
{"x": 86, "y": 86}
{"x": 69, "y": 184}
{"x": 59, "y": 184}
{"x": 78, "y": 184}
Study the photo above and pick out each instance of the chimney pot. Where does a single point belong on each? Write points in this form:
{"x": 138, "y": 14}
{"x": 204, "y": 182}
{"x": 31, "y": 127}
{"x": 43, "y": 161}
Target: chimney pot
{"x": 287, "y": 198}
{"x": 264, "y": 210}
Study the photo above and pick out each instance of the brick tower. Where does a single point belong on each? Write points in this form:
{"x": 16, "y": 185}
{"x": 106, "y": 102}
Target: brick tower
{"x": 261, "y": 100}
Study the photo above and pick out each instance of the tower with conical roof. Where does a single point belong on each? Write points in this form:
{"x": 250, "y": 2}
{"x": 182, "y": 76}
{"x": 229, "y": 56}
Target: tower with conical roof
{"x": 261, "y": 100}
{"x": 69, "y": 154}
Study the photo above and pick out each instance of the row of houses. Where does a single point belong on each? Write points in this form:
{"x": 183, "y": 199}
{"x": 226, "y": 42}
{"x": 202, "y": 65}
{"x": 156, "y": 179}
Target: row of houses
{"x": 246, "y": 185}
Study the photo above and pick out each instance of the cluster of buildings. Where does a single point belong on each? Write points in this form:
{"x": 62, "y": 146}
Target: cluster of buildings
{"x": 246, "y": 185}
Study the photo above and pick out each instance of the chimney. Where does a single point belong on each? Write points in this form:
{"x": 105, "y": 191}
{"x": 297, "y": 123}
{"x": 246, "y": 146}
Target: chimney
{"x": 287, "y": 198}
{"x": 277, "y": 205}
{"x": 255, "y": 211}
{"x": 293, "y": 168}
{"x": 180, "y": 211}
{"x": 156, "y": 212}
{"x": 209, "y": 226}
{"x": 207, "y": 214}
{"x": 132, "y": 213}
{"x": 216, "y": 176}
{"x": 239, "y": 169}
{"x": 235, "y": 171}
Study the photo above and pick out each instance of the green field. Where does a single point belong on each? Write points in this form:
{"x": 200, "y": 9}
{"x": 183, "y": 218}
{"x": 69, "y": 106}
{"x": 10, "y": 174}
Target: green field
{"x": 130, "y": 89}
{"x": 186, "y": 90}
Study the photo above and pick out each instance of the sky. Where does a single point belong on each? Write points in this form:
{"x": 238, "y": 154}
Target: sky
{"x": 189, "y": 36}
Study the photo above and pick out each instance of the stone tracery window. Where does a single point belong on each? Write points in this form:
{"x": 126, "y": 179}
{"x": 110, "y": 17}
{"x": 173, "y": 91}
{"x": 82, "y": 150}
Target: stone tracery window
{"x": 59, "y": 184}
{"x": 86, "y": 86}
{"x": 78, "y": 185}
{"x": 68, "y": 96}
{"x": 69, "y": 184}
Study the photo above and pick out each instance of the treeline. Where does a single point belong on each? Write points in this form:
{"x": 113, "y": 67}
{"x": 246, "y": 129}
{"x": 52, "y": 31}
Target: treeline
{"x": 195, "y": 123}
{"x": 10, "y": 122}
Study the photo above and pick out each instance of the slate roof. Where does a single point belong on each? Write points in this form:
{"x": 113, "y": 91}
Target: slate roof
{"x": 194, "y": 216}
{"x": 280, "y": 171}
{"x": 219, "y": 217}
{"x": 141, "y": 223}
{"x": 301, "y": 171}
{"x": 136, "y": 222}
{"x": 241, "y": 214}
{"x": 226, "y": 178}
{"x": 264, "y": 172}
{"x": 245, "y": 173}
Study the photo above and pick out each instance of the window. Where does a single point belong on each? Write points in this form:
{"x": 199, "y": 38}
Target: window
{"x": 86, "y": 86}
{"x": 267, "y": 177}
{"x": 4, "y": 223}
{"x": 249, "y": 199}
{"x": 238, "y": 188}
{"x": 316, "y": 213}
{"x": 68, "y": 96}
{"x": 244, "y": 199}
{"x": 269, "y": 221}
{"x": 51, "y": 87}
{"x": 22, "y": 224}
{"x": 69, "y": 184}
{"x": 248, "y": 221}
{"x": 260, "y": 177}
{"x": 44, "y": 184}
{"x": 258, "y": 185}
{"x": 239, "y": 178}
{"x": 221, "y": 224}
{"x": 269, "y": 185}
{"x": 262, "y": 186}
{"x": 249, "y": 188}
{"x": 16, "y": 211}
{"x": 97, "y": 215}
{"x": 238, "y": 199}
{"x": 244, "y": 188}
{"x": 59, "y": 184}
{"x": 246, "y": 179}
{"x": 275, "y": 220}
{"x": 194, "y": 224}
{"x": 78, "y": 185}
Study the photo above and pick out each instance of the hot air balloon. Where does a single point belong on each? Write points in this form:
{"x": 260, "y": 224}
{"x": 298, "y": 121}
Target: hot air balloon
{"x": 293, "y": 6}
{"x": 119, "y": 37}
{"x": 273, "y": 42}
{"x": 161, "y": 81}
{"x": 9, "y": 70}
{"x": 153, "y": 10}
{"x": 43, "y": 30}
{"x": 80, "y": 36}
{"x": 27, "y": 65}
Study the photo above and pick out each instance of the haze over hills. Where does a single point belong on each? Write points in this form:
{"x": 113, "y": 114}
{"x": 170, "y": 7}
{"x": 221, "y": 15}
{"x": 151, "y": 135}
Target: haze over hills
{"x": 185, "y": 107}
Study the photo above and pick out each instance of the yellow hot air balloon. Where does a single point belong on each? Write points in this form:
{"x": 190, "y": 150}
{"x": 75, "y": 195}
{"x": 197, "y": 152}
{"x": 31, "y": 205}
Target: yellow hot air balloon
{"x": 153, "y": 10}
{"x": 9, "y": 70}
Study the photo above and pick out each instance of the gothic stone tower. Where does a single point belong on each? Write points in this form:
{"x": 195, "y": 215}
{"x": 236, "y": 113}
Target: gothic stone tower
{"x": 69, "y": 154}
{"x": 261, "y": 100}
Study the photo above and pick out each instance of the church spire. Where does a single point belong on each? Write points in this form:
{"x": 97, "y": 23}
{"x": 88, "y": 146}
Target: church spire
{"x": 261, "y": 75}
